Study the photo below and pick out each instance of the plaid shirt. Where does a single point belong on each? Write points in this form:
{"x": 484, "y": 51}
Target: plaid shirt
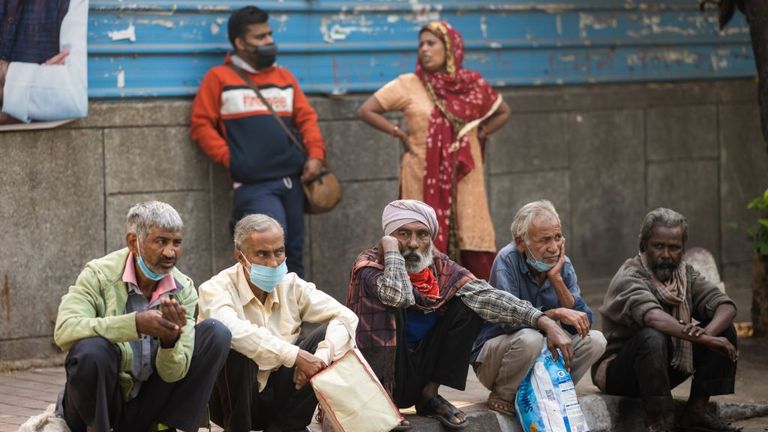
{"x": 394, "y": 289}
{"x": 29, "y": 29}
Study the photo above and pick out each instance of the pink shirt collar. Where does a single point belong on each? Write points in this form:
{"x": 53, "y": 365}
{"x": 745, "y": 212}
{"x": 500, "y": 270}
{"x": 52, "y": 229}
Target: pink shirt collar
{"x": 129, "y": 276}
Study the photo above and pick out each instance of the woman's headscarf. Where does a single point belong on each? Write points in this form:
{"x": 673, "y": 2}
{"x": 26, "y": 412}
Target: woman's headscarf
{"x": 462, "y": 99}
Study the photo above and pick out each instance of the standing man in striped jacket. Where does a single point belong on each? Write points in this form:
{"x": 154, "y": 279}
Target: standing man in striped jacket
{"x": 235, "y": 127}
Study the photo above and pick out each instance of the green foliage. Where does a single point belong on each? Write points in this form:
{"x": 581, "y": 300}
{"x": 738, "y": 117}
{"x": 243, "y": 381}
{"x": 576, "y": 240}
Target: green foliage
{"x": 759, "y": 235}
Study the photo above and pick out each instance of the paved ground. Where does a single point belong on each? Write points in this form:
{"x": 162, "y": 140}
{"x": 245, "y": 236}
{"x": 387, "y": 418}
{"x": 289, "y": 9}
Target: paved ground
{"x": 26, "y": 393}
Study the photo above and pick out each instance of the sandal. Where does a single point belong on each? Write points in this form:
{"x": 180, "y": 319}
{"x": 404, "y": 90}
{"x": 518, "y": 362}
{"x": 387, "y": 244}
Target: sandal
{"x": 432, "y": 405}
{"x": 502, "y": 406}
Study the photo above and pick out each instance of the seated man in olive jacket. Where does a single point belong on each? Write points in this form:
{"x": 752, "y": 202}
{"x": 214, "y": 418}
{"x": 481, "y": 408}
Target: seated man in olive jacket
{"x": 136, "y": 357}
{"x": 664, "y": 322}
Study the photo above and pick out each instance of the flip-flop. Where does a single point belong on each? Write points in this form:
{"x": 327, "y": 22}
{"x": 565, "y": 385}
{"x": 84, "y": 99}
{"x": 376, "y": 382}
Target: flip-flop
{"x": 430, "y": 409}
{"x": 502, "y": 406}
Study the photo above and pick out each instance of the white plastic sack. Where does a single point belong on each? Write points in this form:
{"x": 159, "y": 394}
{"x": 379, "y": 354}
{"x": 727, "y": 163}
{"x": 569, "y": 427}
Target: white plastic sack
{"x": 45, "y": 422}
{"x": 546, "y": 398}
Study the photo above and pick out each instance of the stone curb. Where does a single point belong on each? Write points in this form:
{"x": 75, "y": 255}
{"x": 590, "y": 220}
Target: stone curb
{"x": 53, "y": 360}
{"x": 603, "y": 413}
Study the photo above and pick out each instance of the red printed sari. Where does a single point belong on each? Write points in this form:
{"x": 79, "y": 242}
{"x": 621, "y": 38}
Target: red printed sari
{"x": 462, "y": 100}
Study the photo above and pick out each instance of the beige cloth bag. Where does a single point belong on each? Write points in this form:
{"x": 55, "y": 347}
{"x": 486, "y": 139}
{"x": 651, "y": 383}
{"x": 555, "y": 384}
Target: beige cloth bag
{"x": 352, "y": 398}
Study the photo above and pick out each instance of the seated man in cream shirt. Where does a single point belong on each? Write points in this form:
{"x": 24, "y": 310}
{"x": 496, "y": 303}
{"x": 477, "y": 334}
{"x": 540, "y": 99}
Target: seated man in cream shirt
{"x": 263, "y": 384}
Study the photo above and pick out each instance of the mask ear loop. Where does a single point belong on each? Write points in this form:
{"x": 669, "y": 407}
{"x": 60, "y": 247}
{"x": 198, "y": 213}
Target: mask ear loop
{"x": 246, "y": 259}
{"x": 138, "y": 246}
{"x": 533, "y": 255}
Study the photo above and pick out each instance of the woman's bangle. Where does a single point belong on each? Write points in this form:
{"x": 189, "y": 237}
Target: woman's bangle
{"x": 395, "y": 129}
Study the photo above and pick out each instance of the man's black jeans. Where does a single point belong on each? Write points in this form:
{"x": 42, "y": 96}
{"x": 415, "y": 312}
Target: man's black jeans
{"x": 237, "y": 405}
{"x": 642, "y": 369}
{"x": 92, "y": 396}
{"x": 441, "y": 357}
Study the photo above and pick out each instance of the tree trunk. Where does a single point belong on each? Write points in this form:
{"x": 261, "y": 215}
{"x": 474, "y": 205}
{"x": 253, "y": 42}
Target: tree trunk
{"x": 760, "y": 294}
{"x": 756, "y": 12}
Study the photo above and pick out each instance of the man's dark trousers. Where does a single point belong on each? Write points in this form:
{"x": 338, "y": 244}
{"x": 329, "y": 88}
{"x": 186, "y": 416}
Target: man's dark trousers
{"x": 238, "y": 406}
{"x": 441, "y": 357}
{"x": 642, "y": 369}
{"x": 283, "y": 200}
{"x": 92, "y": 395}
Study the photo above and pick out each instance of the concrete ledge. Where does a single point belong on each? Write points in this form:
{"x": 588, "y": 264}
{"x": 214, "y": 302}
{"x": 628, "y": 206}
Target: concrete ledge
{"x": 49, "y": 361}
{"x": 603, "y": 413}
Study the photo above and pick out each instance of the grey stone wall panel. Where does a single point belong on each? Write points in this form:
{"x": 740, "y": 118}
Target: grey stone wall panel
{"x": 682, "y": 132}
{"x": 606, "y": 209}
{"x": 528, "y": 142}
{"x": 221, "y": 213}
{"x": 51, "y": 187}
{"x": 356, "y": 151}
{"x": 626, "y": 96}
{"x": 139, "y": 113}
{"x": 738, "y": 274}
{"x": 307, "y": 251}
{"x": 739, "y": 287}
{"x": 193, "y": 208}
{"x": 337, "y": 108}
{"x": 153, "y": 159}
{"x": 691, "y": 188}
{"x": 512, "y": 191}
{"x": 175, "y": 112}
{"x": 37, "y": 347}
{"x": 607, "y": 188}
{"x": 339, "y": 236}
{"x": 743, "y": 177}
{"x": 600, "y": 139}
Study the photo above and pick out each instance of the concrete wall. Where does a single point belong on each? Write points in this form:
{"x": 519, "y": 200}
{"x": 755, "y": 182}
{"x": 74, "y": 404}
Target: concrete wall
{"x": 605, "y": 155}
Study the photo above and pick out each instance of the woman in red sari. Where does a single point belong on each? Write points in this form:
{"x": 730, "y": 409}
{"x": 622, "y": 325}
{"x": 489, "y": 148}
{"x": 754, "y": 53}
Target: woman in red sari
{"x": 449, "y": 111}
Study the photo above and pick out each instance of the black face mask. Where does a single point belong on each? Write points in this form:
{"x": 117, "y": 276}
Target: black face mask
{"x": 262, "y": 57}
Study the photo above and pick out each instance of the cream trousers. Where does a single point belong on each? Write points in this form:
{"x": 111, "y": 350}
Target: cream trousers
{"x": 504, "y": 360}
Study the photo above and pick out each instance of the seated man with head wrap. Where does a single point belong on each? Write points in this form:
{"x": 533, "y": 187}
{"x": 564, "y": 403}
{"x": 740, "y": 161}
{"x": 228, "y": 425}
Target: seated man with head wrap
{"x": 420, "y": 313}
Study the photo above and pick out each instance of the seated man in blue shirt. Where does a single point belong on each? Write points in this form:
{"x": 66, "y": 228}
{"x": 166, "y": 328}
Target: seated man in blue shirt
{"x": 534, "y": 268}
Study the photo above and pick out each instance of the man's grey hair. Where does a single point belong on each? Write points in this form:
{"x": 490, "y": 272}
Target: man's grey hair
{"x": 521, "y": 224}
{"x": 254, "y": 223}
{"x": 666, "y": 217}
{"x": 143, "y": 216}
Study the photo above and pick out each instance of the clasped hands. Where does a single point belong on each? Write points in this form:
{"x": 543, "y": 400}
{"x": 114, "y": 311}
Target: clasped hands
{"x": 166, "y": 324}
{"x": 715, "y": 343}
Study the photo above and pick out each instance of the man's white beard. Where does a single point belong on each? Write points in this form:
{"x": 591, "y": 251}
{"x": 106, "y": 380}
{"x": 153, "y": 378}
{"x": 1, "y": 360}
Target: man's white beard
{"x": 425, "y": 260}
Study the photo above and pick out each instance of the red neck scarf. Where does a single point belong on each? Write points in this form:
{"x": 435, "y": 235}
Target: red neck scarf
{"x": 460, "y": 96}
{"x": 425, "y": 283}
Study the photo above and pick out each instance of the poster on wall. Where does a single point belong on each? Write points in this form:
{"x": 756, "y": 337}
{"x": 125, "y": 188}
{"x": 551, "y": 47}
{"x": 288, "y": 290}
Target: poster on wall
{"x": 43, "y": 63}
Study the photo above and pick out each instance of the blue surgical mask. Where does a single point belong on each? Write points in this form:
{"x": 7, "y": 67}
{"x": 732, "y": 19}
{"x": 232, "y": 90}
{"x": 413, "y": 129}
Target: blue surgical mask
{"x": 539, "y": 266}
{"x": 143, "y": 266}
{"x": 266, "y": 278}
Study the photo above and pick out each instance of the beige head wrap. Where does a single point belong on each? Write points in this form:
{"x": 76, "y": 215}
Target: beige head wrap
{"x": 401, "y": 212}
